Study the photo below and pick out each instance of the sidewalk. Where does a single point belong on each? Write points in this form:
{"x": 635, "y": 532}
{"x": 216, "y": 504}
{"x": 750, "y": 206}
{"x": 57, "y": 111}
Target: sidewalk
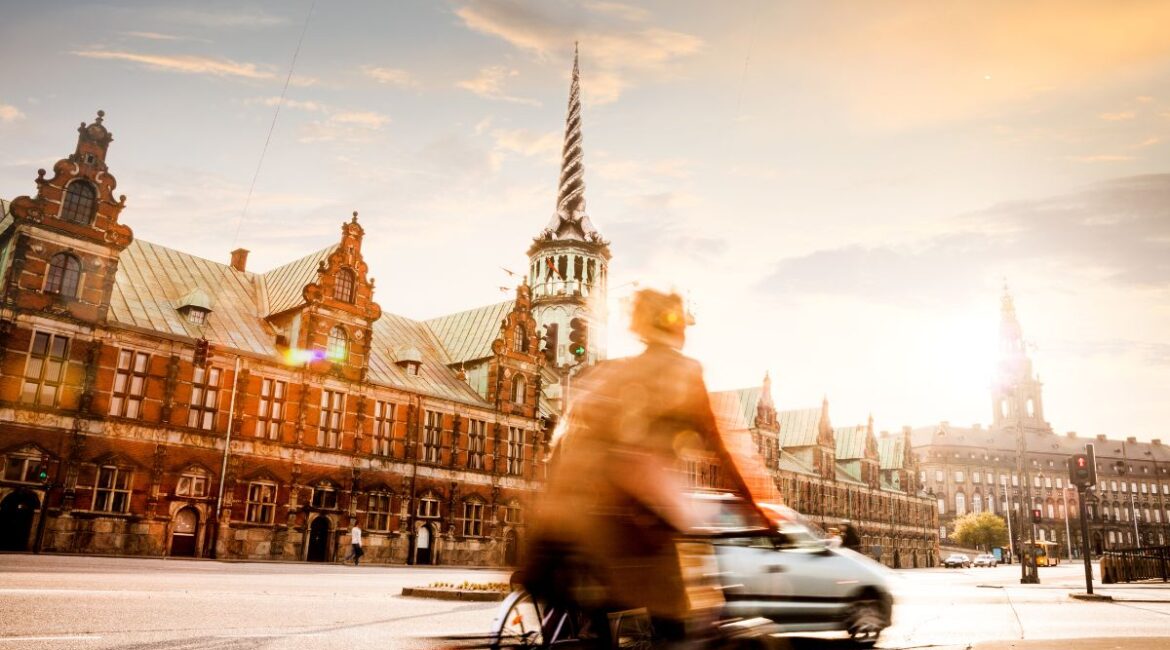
{"x": 1123, "y": 643}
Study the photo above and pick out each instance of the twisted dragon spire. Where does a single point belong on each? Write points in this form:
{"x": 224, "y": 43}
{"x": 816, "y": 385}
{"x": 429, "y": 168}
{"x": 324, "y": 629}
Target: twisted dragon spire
{"x": 571, "y": 192}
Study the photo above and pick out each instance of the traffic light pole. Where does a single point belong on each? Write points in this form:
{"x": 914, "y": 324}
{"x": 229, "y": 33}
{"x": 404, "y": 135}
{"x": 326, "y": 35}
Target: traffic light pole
{"x": 1085, "y": 554}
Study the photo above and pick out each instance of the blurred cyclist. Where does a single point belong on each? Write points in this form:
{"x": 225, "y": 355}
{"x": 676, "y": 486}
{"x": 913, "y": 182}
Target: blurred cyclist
{"x": 604, "y": 529}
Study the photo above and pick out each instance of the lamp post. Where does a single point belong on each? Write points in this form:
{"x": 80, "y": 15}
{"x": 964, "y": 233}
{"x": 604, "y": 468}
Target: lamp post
{"x": 1008, "y": 516}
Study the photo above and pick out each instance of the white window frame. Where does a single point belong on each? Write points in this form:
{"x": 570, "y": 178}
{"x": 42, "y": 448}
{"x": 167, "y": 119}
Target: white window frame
{"x": 432, "y": 447}
{"x": 330, "y": 418}
{"x": 270, "y": 411}
{"x": 113, "y": 487}
{"x": 130, "y": 378}
{"x": 261, "y": 502}
{"x": 382, "y": 443}
{"x": 204, "y": 407}
{"x": 380, "y": 508}
{"x": 473, "y": 510}
{"x": 192, "y": 484}
{"x": 45, "y": 372}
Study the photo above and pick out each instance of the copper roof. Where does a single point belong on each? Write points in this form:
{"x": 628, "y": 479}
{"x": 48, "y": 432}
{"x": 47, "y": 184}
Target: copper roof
{"x": 736, "y": 409}
{"x": 284, "y": 285}
{"x": 891, "y": 451}
{"x": 798, "y": 428}
{"x": 151, "y": 280}
{"x": 468, "y": 335}
{"x": 850, "y": 441}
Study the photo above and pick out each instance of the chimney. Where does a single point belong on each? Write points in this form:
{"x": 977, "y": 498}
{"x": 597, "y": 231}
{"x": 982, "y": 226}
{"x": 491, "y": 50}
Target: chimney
{"x": 1101, "y": 437}
{"x": 1071, "y": 434}
{"x": 1157, "y": 442}
{"x": 240, "y": 259}
{"x": 1131, "y": 439}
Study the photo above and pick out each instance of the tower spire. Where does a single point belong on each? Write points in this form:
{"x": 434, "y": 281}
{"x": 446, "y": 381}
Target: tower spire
{"x": 571, "y": 192}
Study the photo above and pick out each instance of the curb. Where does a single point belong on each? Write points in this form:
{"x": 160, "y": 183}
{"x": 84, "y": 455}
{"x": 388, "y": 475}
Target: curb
{"x": 1077, "y": 595}
{"x": 453, "y": 594}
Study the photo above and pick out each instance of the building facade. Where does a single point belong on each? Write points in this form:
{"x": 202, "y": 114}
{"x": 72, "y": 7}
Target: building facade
{"x": 1019, "y": 465}
{"x": 836, "y": 476}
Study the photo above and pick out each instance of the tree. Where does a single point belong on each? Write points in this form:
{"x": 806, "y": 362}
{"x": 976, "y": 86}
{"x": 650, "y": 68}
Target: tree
{"x": 982, "y": 530}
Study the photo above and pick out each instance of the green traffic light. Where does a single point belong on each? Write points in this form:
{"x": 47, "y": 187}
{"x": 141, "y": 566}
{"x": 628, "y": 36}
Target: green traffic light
{"x": 577, "y": 350}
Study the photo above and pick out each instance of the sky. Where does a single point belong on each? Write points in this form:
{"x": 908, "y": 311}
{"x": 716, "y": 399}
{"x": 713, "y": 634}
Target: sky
{"x": 840, "y": 189}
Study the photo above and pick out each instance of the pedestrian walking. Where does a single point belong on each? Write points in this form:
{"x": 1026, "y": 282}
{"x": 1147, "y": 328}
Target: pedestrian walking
{"x": 355, "y": 544}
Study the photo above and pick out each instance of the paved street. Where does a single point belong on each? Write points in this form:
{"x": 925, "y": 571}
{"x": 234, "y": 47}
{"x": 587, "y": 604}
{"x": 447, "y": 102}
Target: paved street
{"x": 93, "y": 603}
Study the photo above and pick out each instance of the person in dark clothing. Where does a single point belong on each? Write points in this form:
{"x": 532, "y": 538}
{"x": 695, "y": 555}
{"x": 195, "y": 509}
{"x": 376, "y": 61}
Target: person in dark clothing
{"x": 851, "y": 539}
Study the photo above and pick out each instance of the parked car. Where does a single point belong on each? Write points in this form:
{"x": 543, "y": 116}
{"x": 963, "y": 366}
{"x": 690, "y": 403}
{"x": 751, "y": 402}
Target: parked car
{"x": 986, "y": 559}
{"x": 787, "y": 572}
{"x": 957, "y": 560}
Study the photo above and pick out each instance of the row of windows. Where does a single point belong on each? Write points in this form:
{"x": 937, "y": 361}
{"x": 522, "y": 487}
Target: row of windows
{"x": 48, "y": 360}
{"x": 112, "y": 492}
{"x": 1047, "y": 482}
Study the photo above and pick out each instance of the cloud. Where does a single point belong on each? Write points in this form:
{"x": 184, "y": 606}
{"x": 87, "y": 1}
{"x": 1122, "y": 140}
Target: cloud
{"x": 1119, "y": 116}
{"x": 237, "y": 18}
{"x": 1106, "y": 157}
{"x": 616, "y": 39}
{"x": 1147, "y": 351}
{"x": 155, "y": 36}
{"x": 1118, "y": 231}
{"x": 347, "y": 126}
{"x": 390, "y": 76}
{"x": 528, "y": 143}
{"x": 310, "y": 106}
{"x": 489, "y": 83}
{"x": 617, "y": 170}
{"x": 10, "y": 113}
{"x": 1148, "y": 142}
{"x": 184, "y": 64}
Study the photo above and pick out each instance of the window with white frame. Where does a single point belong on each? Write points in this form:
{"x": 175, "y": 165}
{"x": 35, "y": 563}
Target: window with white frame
{"x": 976, "y": 477}
{"x": 80, "y": 203}
{"x": 45, "y": 372}
{"x": 111, "y": 491}
{"x": 428, "y": 506}
{"x": 270, "y": 415}
{"x": 959, "y": 476}
{"x": 192, "y": 483}
{"x": 512, "y": 513}
{"x": 515, "y": 451}
{"x": 378, "y": 511}
{"x": 325, "y": 496}
{"x": 938, "y": 476}
{"x": 1015, "y": 480}
{"x": 1059, "y": 483}
{"x": 21, "y": 468}
{"x": 519, "y": 389}
{"x": 976, "y": 503}
{"x": 261, "y": 504}
{"x": 942, "y": 506}
{"x": 1048, "y": 482}
{"x": 960, "y": 504}
{"x": 383, "y": 429}
{"x": 432, "y": 436}
{"x": 476, "y": 443}
{"x": 1051, "y": 511}
{"x": 129, "y": 384}
{"x": 337, "y": 346}
{"x": 64, "y": 276}
{"x": 473, "y": 518}
{"x": 329, "y": 419}
{"x": 204, "y": 398}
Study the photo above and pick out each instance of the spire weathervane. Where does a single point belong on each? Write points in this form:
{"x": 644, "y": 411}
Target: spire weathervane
{"x": 571, "y": 193}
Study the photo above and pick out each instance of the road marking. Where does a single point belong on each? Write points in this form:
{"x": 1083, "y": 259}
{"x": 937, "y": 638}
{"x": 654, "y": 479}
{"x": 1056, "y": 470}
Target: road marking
{"x": 63, "y": 637}
{"x": 267, "y": 635}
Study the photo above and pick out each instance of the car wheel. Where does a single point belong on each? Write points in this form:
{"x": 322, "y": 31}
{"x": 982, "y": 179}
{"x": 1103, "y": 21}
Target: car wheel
{"x": 865, "y": 622}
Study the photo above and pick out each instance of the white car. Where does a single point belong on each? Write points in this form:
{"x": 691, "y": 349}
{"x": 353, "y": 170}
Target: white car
{"x": 986, "y": 559}
{"x": 788, "y": 573}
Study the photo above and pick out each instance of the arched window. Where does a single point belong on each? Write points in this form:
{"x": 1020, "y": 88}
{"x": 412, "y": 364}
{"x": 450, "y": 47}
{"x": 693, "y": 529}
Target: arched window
{"x": 521, "y": 342}
{"x": 976, "y": 503}
{"x": 338, "y": 348}
{"x": 64, "y": 275}
{"x": 79, "y": 204}
{"x": 942, "y": 506}
{"x": 518, "y": 389}
{"x": 960, "y": 504}
{"x": 343, "y": 285}
{"x": 1051, "y": 511}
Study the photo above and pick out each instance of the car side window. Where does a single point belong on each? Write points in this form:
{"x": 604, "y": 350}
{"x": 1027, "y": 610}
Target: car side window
{"x": 756, "y": 541}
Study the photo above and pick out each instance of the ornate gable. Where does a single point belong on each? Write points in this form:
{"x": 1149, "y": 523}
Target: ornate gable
{"x": 514, "y": 371}
{"x": 68, "y": 236}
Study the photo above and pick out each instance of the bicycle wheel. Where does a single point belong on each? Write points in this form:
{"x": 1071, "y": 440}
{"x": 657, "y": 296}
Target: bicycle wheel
{"x": 519, "y": 623}
{"x": 631, "y": 630}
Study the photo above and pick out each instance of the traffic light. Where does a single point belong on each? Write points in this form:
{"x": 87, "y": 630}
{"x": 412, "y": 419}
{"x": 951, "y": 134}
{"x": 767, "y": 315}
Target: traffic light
{"x": 550, "y": 343}
{"x": 42, "y": 472}
{"x": 1080, "y": 471}
{"x": 578, "y": 337}
{"x": 202, "y": 351}
{"x": 1036, "y": 514}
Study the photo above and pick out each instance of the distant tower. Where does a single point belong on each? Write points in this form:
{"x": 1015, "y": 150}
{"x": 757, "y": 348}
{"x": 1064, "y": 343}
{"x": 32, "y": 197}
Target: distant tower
{"x": 1016, "y": 393}
{"x": 569, "y": 260}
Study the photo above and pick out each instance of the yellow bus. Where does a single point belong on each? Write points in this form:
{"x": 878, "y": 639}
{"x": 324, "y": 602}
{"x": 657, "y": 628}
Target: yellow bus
{"x": 1045, "y": 553}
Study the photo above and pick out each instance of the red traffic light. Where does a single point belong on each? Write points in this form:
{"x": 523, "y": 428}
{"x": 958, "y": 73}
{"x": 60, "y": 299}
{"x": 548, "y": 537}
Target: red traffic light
{"x": 1082, "y": 462}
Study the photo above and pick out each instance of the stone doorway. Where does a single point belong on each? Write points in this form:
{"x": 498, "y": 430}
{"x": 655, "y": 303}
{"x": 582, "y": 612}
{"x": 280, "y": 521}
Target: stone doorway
{"x": 184, "y": 533}
{"x": 319, "y": 533}
{"x": 424, "y": 546}
{"x": 511, "y": 548}
{"x": 17, "y": 511}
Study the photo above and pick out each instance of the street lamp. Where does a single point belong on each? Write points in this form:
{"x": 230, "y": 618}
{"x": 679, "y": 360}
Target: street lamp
{"x": 1026, "y": 576}
{"x": 1007, "y": 500}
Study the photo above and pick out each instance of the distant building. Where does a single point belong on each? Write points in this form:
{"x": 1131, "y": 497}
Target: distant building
{"x": 838, "y": 476}
{"x": 975, "y": 469}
